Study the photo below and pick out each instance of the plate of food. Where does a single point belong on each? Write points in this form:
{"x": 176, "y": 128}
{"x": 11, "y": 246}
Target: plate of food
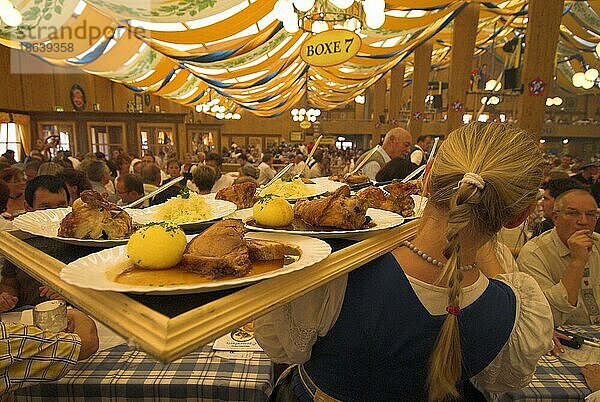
{"x": 161, "y": 259}
{"x": 92, "y": 222}
{"x": 337, "y": 215}
{"x": 292, "y": 190}
{"x": 190, "y": 211}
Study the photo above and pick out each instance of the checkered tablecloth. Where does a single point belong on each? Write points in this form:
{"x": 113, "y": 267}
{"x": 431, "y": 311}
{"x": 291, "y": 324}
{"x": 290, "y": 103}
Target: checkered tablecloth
{"x": 124, "y": 374}
{"x": 555, "y": 379}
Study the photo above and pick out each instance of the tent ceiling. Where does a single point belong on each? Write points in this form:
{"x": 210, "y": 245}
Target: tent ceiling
{"x": 189, "y": 51}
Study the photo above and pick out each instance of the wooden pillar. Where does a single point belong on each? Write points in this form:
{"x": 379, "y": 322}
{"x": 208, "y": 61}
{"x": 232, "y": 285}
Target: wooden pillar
{"x": 379, "y": 90}
{"x": 422, "y": 67}
{"x": 538, "y": 62}
{"x": 396, "y": 87}
{"x": 461, "y": 62}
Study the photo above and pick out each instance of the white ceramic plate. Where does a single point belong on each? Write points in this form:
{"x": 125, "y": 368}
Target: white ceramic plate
{"x": 46, "y": 222}
{"x": 94, "y": 270}
{"x": 383, "y": 220}
{"x": 220, "y": 209}
{"x": 328, "y": 185}
{"x": 314, "y": 188}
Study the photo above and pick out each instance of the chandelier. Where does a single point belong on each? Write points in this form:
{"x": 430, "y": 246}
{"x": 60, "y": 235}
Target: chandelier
{"x": 317, "y": 16}
{"x": 225, "y": 110}
{"x": 302, "y": 114}
{"x": 9, "y": 14}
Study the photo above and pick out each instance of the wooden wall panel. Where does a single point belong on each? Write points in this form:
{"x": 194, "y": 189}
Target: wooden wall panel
{"x": 103, "y": 92}
{"x": 120, "y": 95}
{"x": 11, "y": 94}
{"x": 38, "y": 89}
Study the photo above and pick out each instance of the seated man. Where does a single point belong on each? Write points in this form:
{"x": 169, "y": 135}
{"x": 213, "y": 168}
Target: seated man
{"x": 565, "y": 260}
{"x": 130, "y": 188}
{"x": 16, "y": 287}
{"x": 552, "y": 189}
{"x": 29, "y": 355}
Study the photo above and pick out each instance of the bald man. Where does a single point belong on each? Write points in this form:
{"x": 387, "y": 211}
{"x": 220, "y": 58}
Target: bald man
{"x": 396, "y": 143}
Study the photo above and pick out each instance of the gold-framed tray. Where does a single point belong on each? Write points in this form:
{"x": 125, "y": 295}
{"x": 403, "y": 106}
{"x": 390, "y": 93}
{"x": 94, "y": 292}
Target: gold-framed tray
{"x": 170, "y": 336}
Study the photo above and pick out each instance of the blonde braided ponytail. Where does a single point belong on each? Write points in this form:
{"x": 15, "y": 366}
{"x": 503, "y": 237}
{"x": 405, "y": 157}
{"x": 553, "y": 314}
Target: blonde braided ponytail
{"x": 510, "y": 165}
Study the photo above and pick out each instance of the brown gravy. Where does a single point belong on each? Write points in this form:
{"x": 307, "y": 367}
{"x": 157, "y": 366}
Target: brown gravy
{"x": 134, "y": 275}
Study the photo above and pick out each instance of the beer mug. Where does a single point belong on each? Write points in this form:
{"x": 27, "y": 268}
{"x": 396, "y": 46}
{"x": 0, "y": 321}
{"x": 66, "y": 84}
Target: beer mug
{"x": 51, "y": 315}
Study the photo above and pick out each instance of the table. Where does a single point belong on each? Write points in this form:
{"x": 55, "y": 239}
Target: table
{"x": 126, "y": 374}
{"x": 555, "y": 379}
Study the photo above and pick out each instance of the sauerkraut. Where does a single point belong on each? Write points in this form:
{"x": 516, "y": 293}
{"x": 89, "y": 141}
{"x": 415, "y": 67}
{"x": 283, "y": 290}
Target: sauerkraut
{"x": 288, "y": 189}
{"x": 185, "y": 210}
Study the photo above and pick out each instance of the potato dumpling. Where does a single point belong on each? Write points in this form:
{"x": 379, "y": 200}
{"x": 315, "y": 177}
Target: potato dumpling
{"x": 157, "y": 246}
{"x": 273, "y": 211}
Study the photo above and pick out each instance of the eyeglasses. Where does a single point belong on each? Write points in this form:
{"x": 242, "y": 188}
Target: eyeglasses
{"x": 572, "y": 213}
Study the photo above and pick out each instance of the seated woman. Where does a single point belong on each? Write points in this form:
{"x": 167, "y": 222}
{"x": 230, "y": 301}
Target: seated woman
{"x": 204, "y": 178}
{"x": 16, "y": 184}
{"x": 419, "y": 322}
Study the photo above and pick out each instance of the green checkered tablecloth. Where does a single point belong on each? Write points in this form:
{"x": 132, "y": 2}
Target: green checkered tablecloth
{"x": 124, "y": 374}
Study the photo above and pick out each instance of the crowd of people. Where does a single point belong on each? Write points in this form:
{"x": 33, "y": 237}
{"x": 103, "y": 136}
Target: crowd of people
{"x": 461, "y": 309}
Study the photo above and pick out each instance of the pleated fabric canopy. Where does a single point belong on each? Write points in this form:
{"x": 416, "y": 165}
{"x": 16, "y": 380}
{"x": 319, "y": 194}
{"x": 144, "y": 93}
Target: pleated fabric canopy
{"x": 192, "y": 51}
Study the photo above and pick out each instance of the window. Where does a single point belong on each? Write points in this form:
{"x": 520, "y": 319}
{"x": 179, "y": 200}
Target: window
{"x": 61, "y": 134}
{"x": 156, "y": 138}
{"x": 10, "y": 138}
{"x": 105, "y": 137}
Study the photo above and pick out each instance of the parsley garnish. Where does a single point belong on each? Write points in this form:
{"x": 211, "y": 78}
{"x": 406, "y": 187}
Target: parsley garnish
{"x": 266, "y": 198}
{"x": 184, "y": 193}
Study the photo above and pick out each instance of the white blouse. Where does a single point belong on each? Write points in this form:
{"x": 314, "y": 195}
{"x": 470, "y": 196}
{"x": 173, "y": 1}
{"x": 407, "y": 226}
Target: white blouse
{"x": 288, "y": 333}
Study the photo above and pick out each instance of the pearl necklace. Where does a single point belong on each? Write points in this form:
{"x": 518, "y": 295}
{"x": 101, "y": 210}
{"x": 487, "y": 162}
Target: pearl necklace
{"x": 432, "y": 260}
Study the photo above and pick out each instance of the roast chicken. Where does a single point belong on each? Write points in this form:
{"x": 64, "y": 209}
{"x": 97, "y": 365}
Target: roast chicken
{"x": 397, "y": 200}
{"x": 243, "y": 194}
{"x": 338, "y": 210}
{"x": 221, "y": 250}
{"x": 355, "y": 178}
{"x": 95, "y": 218}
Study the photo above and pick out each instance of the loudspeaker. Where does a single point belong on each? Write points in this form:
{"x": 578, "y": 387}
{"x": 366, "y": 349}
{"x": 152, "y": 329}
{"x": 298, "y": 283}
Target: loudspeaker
{"x": 511, "y": 78}
{"x": 437, "y": 102}
{"x": 382, "y": 118}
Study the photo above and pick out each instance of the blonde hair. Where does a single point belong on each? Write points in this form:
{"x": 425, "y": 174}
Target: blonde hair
{"x": 511, "y": 166}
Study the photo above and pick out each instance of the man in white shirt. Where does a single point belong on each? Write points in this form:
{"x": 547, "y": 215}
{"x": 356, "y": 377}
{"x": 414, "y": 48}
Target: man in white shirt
{"x": 565, "y": 261}
{"x": 299, "y": 165}
{"x": 215, "y": 161}
{"x": 396, "y": 143}
{"x": 419, "y": 154}
{"x": 265, "y": 169}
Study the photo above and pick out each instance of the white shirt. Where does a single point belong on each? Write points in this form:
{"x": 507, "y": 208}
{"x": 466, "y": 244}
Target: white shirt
{"x": 417, "y": 155}
{"x": 371, "y": 168}
{"x": 299, "y": 168}
{"x": 265, "y": 174}
{"x": 546, "y": 258}
{"x": 224, "y": 181}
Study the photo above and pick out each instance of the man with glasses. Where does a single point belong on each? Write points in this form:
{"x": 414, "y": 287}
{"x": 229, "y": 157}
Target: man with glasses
{"x": 565, "y": 260}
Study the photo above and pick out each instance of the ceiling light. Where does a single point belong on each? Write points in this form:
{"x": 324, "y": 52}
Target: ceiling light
{"x": 591, "y": 74}
{"x": 578, "y": 79}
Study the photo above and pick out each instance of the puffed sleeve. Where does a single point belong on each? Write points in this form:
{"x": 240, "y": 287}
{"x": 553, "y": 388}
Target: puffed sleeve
{"x": 530, "y": 338}
{"x": 288, "y": 333}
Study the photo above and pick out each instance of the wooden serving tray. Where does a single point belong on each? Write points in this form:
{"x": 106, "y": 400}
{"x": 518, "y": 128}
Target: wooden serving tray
{"x": 144, "y": 322}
